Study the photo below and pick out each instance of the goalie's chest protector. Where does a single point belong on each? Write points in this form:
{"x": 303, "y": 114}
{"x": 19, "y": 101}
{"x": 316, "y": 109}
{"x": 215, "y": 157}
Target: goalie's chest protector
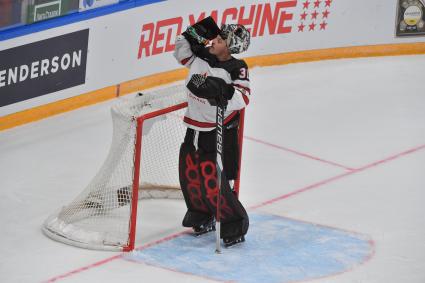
{"x": 200, "y": 115}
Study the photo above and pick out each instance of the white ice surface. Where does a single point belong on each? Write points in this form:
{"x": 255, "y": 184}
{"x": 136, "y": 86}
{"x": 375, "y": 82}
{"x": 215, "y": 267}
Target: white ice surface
{"x": 348, "y": 112}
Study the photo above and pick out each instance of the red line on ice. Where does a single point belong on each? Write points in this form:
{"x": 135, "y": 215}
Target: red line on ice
{"x": 299, "y": 153}
{"x": 101, "y": 262}
{"x": 335, "y": 178}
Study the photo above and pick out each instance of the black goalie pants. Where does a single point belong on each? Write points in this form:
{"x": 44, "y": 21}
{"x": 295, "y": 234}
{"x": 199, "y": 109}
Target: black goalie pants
{"x": 198, "y": 180}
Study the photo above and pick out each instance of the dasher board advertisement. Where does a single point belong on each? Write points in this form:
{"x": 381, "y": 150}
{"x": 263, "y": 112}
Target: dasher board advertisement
{"x": 93, "y": 4}
{"x": 43, "y": 67}
{"x": 40, "y": 10}
{"x": 410, "y": 18}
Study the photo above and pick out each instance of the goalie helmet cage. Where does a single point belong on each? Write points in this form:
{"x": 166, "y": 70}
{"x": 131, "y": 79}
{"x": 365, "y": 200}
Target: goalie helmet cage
{"x": 142, "y": 163}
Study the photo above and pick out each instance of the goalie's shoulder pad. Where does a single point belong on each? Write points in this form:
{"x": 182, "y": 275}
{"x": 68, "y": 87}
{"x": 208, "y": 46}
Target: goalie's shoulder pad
{"x": 240, "y": 68}
{"x": 234, "y": 67}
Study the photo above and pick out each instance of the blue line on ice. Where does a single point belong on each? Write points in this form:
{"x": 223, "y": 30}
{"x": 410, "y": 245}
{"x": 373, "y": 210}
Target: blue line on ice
{"x": 277, "y": 249}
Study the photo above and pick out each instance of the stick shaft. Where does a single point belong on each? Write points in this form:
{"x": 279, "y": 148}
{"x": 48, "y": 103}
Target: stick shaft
{"x": 219, "y": 165}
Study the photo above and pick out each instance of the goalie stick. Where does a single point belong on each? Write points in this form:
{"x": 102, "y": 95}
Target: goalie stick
{"x": 221, "y": 108}
{"x": 197, "y": 83}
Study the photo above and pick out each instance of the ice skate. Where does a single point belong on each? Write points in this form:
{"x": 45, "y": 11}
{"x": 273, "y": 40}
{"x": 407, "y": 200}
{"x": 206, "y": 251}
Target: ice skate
{"x": 231, "y": 241}
{"x": 199, "y": 230}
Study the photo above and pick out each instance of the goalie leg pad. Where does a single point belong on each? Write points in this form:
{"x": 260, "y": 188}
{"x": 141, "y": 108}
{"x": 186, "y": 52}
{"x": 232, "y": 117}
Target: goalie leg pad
{"x": 190, "y": 184}
{"x": 234, "y": 219}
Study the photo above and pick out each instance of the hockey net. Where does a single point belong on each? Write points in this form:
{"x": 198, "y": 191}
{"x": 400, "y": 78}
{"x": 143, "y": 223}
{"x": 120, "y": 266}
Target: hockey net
{"x": 142, "y": 163}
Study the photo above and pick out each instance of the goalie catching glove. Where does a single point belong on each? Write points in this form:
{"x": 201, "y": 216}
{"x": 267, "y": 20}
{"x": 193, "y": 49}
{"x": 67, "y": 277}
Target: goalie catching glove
{"x": 214, "y": 89}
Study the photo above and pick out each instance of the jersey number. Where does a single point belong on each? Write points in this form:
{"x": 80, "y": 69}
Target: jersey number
{"x": 243, "y": 74}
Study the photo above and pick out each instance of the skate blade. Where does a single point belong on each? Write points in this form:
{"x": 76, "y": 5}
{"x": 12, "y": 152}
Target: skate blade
{"x": 198, "y": 234}
{"x": 235, "y": 243}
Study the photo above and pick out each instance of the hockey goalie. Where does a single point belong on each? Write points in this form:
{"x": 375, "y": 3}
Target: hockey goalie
{"x": 206, "y": 50}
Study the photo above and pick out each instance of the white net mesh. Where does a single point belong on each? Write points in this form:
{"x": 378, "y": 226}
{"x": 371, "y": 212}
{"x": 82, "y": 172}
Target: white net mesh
{"x": 99, "y": 218}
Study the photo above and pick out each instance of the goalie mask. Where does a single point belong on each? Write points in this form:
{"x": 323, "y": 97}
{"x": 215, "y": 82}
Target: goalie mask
{"x": 237, "y": 37}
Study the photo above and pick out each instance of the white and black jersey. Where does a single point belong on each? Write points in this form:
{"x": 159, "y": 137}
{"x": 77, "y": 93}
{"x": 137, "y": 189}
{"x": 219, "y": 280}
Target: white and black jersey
{"x": 200, "y": 115}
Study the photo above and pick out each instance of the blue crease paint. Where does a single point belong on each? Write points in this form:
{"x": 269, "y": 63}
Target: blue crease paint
{"x": 277, "y": 249}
